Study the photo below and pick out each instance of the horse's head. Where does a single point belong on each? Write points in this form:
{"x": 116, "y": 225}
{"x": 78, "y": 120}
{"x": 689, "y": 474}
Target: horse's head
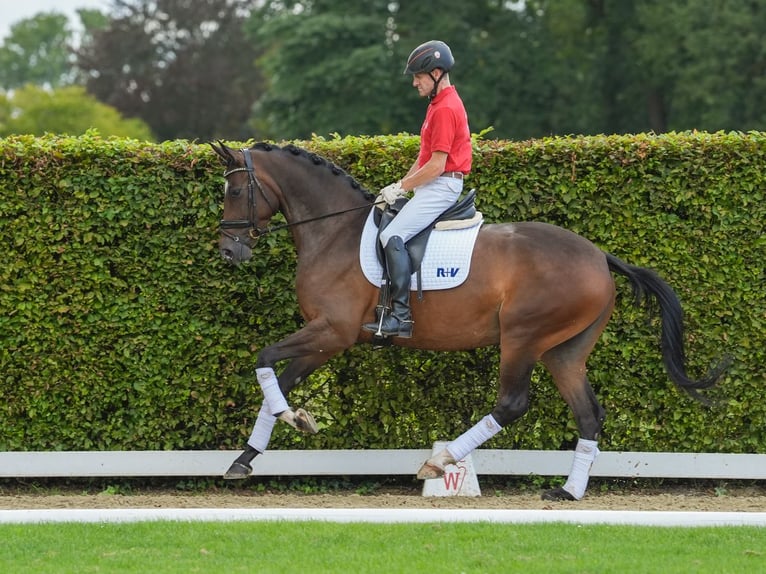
{"x": 247, "y": 208}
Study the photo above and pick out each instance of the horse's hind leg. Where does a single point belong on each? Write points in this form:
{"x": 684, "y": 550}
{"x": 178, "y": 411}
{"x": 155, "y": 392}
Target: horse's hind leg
{"x": 566, "y": 364}
{"x": 512, "y": 403}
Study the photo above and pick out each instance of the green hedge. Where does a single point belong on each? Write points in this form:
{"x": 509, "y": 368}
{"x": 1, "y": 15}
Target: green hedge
{"x": 121, "y": 327}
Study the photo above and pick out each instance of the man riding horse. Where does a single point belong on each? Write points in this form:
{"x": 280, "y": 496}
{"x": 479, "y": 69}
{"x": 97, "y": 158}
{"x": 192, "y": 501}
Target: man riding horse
{"x": 538, "y": 292}
{"x": 436, "y": 177}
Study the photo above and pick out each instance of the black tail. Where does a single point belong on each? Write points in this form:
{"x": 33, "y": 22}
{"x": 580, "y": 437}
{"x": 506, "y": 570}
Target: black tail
{"x": 646, "y": 282}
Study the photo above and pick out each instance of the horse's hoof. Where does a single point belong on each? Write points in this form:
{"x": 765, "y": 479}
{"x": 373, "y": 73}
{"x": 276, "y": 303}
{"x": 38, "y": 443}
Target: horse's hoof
{"x": 557, "y": 494}
{"x": 428, "y": 471}
{"x": 238, "y": 471}
{"x": 300, "y": 419}
{"x": 305, "y": 422}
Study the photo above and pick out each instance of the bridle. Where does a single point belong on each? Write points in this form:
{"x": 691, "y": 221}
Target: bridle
{"x": 251, "y": 223}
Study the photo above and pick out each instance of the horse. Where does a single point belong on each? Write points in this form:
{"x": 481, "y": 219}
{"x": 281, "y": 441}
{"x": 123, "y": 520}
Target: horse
{"x": 539, "y": 292}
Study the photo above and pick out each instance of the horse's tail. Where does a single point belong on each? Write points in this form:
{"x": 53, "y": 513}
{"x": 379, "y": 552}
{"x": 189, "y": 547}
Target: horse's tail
{"x": 646, "y": 282}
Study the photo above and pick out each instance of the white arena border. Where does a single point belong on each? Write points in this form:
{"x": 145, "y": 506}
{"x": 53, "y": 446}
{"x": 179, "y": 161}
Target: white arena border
{"x": 386, "y": 516}
{"x": 387, "y": 462}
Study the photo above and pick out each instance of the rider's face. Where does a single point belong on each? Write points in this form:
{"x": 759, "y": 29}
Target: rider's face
{"x": 423, "y": 82}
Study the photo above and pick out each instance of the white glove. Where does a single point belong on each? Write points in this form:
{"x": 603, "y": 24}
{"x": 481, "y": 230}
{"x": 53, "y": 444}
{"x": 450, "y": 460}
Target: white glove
{"x": 392, "y": 192}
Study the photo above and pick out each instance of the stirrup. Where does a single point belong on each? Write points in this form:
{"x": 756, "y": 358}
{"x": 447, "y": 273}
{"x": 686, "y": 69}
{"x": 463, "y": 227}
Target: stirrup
{"x": 403, "y": 328}
{"x": 376, "y": 327}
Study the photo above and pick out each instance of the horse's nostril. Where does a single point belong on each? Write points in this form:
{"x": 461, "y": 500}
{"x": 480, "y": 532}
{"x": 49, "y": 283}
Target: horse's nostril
{"x": 227, "y": 254}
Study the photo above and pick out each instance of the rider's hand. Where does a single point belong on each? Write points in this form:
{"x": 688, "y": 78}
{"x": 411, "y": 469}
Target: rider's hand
{"x": 392, "y": 192}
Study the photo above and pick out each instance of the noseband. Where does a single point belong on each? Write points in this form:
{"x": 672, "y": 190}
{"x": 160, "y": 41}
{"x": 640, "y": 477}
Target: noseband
{"x": 251, "y": 223}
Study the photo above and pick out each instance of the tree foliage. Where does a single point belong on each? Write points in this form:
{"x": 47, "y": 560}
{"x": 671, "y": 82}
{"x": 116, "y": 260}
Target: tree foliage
{"x": 526, "y": 69}
{"x": 66, "y": 110}
{"x": 183, "y": 67}
{"x": 327, "y": 72}
{"x": 36, "y": 52}
{"x": 530, "y": 68}
{"x": 706, "y": 61}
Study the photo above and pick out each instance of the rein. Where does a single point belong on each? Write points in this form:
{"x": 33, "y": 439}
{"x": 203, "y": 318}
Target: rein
{"x": 253, "y": 184}
{"x": 281, "y": 226}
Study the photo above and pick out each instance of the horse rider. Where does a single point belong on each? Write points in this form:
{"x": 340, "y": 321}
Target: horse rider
{"x": 436, "y": 176}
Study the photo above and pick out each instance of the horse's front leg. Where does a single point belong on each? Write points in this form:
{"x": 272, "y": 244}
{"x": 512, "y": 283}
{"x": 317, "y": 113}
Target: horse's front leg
{"x": 274, "y": 399}
{"x": 308, "y": 348}
{"x": 256, "y": 444}
{"x": 260, "y": 436}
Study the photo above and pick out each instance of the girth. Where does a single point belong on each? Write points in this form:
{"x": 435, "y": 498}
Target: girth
{"x": 463, "y": 209}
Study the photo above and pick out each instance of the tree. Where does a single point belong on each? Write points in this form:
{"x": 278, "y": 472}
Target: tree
{"x": 328, "y": 71}
{"x": 67, "y": 110}
{"x": 703, "y": 63}
{"x": 528, "y": 68}
{"x": 336, "y": 65}
{"x": 37, "y": 52}
{"x": 659, "y": 66}
{"x": 525, "y": 68}
{"x": 183, "y": 67}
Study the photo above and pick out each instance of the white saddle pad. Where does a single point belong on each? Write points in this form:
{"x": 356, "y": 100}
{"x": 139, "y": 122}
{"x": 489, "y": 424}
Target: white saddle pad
{"x": 446, "y": 262}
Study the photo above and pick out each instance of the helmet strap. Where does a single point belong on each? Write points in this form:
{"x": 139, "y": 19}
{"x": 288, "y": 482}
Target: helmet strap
{"x": 436, "y": 84}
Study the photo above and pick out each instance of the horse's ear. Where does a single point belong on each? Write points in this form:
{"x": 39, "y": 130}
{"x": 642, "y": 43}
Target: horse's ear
{"x": 223, "y": 152}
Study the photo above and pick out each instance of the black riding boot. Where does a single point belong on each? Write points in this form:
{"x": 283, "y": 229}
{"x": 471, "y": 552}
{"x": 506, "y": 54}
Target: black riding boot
{"x": 397, "y": 323}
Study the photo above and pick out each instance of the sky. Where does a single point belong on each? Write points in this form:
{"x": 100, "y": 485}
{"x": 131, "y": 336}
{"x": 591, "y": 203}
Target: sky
{"x": 11, "y": 11}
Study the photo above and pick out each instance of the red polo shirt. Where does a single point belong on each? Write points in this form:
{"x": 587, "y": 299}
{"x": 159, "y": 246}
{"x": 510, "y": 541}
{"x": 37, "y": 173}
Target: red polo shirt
{"x": 446, "y": 129}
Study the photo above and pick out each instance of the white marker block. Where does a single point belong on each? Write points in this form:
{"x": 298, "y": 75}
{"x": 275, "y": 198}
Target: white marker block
{"x": 459, "y": 479}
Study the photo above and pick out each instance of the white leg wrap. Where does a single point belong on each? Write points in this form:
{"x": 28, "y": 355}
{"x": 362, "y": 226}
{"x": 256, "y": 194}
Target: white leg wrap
{"x": 478, "y": 434}
{"x": 271, "y": 392}
{"x": 264, "y": 425}
{"x": 585, "y": 453}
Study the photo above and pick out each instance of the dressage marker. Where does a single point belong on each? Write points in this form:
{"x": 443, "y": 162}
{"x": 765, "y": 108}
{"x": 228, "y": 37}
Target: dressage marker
{"x": 459, "y": 479}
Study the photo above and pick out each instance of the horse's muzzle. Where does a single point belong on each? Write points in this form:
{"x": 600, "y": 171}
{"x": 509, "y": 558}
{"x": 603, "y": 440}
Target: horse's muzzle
{"x": 235, "y": 252}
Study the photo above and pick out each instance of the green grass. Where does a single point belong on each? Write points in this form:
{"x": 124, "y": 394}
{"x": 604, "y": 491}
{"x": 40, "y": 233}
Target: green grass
{"x": 316, "y": 547}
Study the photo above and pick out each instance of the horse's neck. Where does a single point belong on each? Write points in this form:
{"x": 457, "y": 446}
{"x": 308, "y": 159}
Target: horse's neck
{"x": 323, "y": 227}
{"x": 331, "y": 236}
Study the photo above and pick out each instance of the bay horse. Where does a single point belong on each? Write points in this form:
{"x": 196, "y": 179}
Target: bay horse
{"x": 540, "y": 292}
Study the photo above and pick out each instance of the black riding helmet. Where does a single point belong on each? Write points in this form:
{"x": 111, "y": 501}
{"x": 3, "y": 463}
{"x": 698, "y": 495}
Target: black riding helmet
{"x": 429, "y": 56}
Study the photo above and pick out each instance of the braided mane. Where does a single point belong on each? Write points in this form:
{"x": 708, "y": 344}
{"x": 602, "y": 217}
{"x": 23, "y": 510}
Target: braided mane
{"x": 317, "y": 160}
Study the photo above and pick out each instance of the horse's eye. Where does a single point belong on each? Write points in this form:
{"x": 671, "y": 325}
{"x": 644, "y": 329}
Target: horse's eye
{"x": 234, "y": 191}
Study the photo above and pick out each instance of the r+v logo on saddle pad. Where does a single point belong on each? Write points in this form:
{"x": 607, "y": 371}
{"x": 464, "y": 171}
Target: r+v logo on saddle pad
{"x": 447, "y": 271}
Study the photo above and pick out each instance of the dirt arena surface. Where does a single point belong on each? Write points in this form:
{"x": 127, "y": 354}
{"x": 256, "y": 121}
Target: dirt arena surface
{"x": 751, "y": 498}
